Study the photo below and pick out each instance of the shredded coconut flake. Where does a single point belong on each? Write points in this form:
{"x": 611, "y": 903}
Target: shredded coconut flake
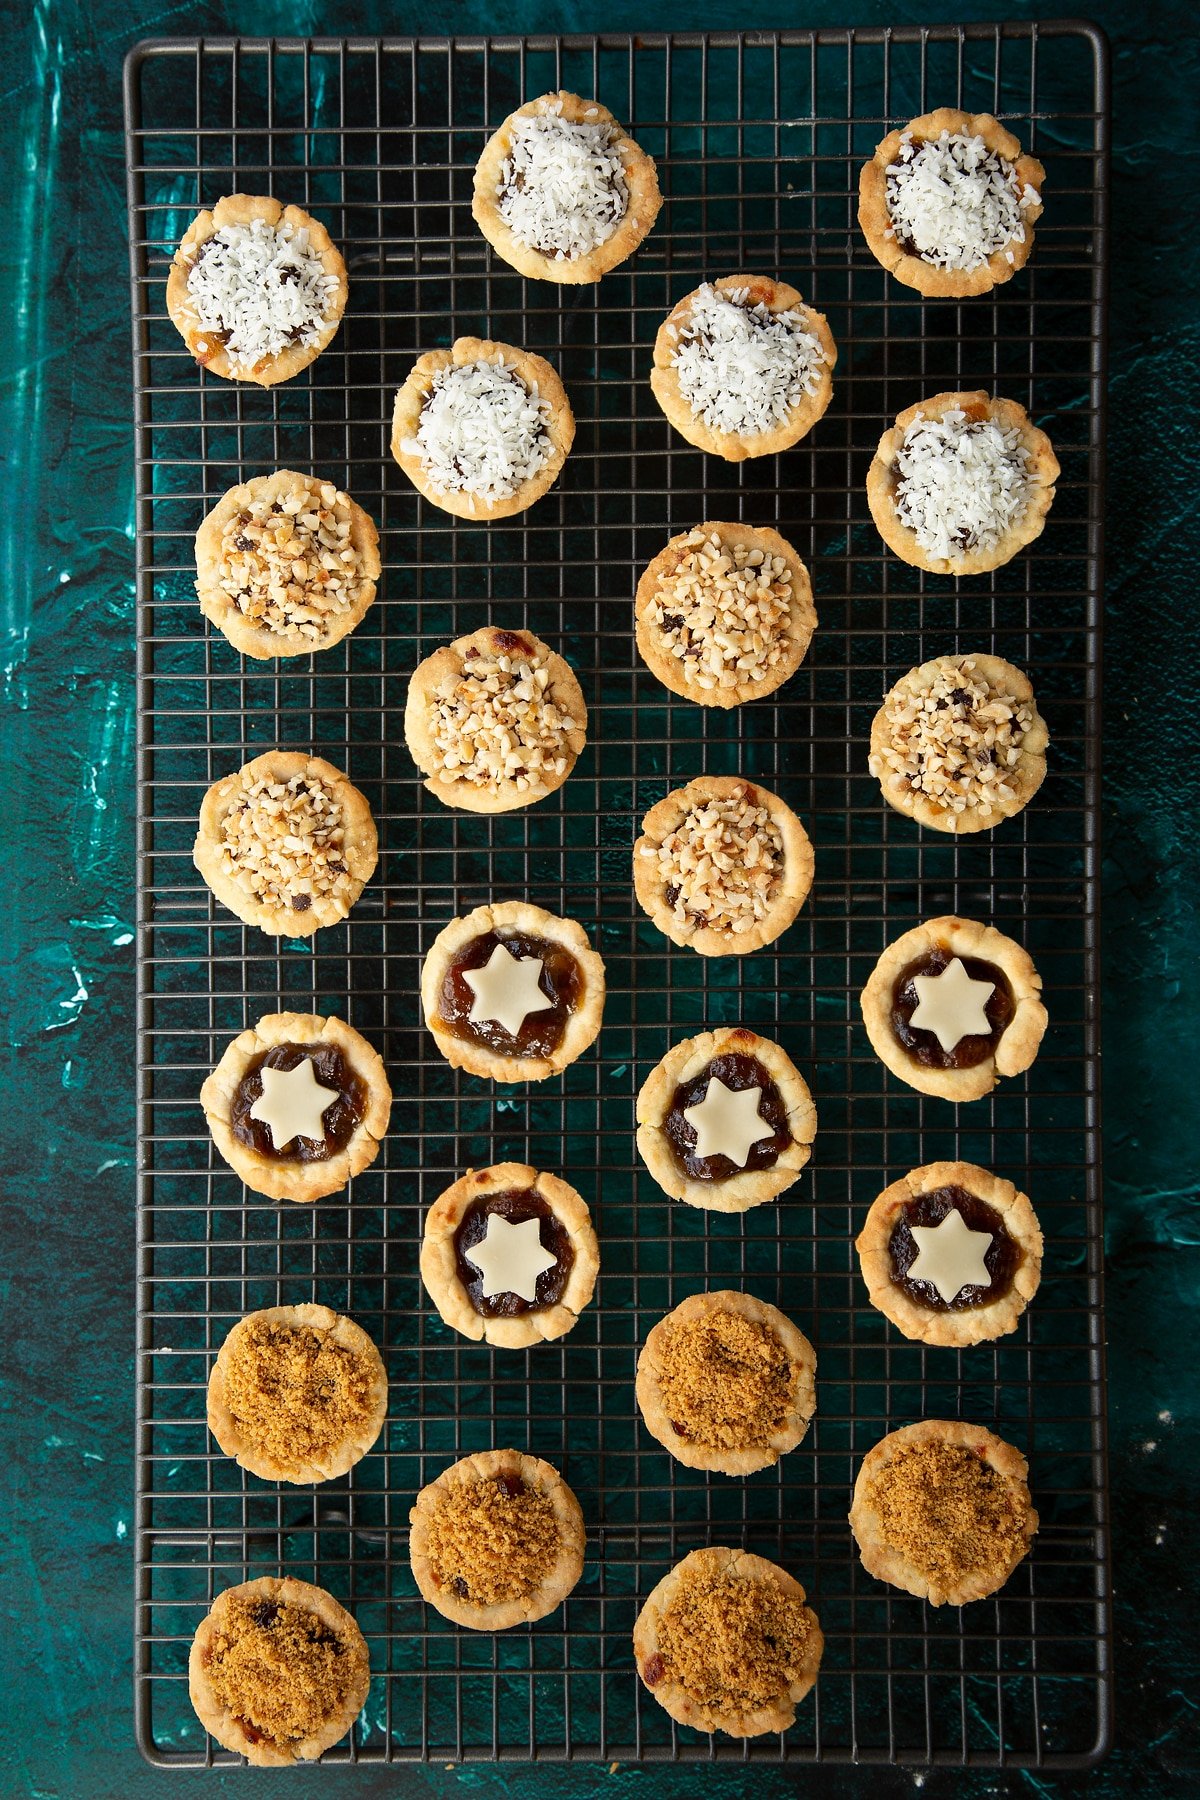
{"x": 562, "y": 189}
{"x": 960, "y": 484}
{"x": 953, "y": 202}
{"x": 259, "y": 289}
{"x": 743, "y": 368}
{"x": 482, "y": 431}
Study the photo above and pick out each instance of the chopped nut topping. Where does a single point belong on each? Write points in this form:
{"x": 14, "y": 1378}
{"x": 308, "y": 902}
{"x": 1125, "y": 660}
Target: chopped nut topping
{"x": 721, "y": 866}
{"x": 726, "y": 1381}
{"x": 293, "y": 1392}
{"x": 956, "y": 740}
{"x": 289, "y": 564}
{"x": 279, "y": 1669}
{"x": 492, "y": 1540}
{"x": 496, "y": 725}
{"x": 733, "y": 1644}
{"x": 948, "y": 1512}
{"x": 724, "y": 612}
{"x": 282, "y": 842}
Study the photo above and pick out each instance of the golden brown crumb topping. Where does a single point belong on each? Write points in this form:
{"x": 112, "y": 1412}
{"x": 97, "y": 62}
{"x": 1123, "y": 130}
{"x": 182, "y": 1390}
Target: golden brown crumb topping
{"x": 492, "y": 1540}
{"x": 726, "y": 1381}
{"x": 948, "y": 1512}
{"x": 734, "y": 1645}
{"x": 295, "y": 1394}
{"x": 279, "y": 1669}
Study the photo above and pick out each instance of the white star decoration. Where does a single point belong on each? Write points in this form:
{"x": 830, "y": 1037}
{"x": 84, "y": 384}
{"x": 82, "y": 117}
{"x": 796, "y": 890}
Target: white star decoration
{"x": 292, "y": 1103}
{"x": 727, "y": 1122}
{"x": 951, "y": 1256}
{"x": 952, "y": 1005}
{"x": 506, "y": 990}
{"x": 510, "y": 1258}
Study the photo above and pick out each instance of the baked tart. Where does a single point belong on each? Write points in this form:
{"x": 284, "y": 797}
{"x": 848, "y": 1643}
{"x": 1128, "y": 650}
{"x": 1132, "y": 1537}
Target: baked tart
{"x": 726, "y": 1382}
{"x": 509, "y": 1255}
{"x": 959, "y": 743}
{"x": 942, "y": 1510}
{"x": 951, "y": 1254}
{"x": 297, "y": 1393}
{"x": 256, "y": 290}
{"x": 278, "y": 1671}
{"x": 287, "y": 843}
{"x": 742, "y": 367}
{"x": 495, "y": 721}
{"x": 726, "y": 1643}
{"x": 948, "y": 205}
{"x": 482, "y": 429}
{"x": 286, "y": 565}
{"x": 722, "y": 866}
{"x": 725, "y": 614}
{"x": 497, "y": 1540}
{"x": 961, "y": 483}
{"x": 512, "y": 993}
{"x": 725, "y": 1121}
{"x": 562, "y": 192}
{"x": 953, "y": 1005}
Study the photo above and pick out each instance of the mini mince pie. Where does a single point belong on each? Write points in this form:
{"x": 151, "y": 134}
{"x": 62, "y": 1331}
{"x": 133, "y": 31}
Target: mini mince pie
{"x": 278, "y": 1671}
{"x": 951, "y": 1254}
{"x": 495, "y": 720}
{"x": 961, "y": 483}
{"x": 286, "y": 565}
{"x": 725, "y": 614}
{"x": 298, "y": 1105}
{"x": 725, "y": 1642}
{"x": 287, "y": 843}
{"x": 722, "y": 865}
{"x": 948, "y": 205}
{"x": 509, "y": 1255}
{"x": 942, "y": 1510}
{"x": 297, "y": 1393}
{"x": 562, "y": 192}
{"x": 256, "y": 289}
{"x": 512, "y": 993}
{"x": 497, "y": 1540}
{"x": 959, "y": 743}
{"x": 726, "y": 1382}
{"x": 726, "y": 1121}
{"x": 742, "y": 367}
{"x": 482, "y": 429}
{"x": 952, "y": 1006}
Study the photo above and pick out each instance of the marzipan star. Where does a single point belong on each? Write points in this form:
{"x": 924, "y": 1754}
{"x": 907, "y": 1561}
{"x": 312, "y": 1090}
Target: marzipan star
{"x": 727, "y": 1122}
{"x": 951, "y": 1256}
{"x": 510, "y": 1258}
{"x": 952, "y": 1005}
{"x": 292, "y": 1103}
{"x": 506, "y": 990}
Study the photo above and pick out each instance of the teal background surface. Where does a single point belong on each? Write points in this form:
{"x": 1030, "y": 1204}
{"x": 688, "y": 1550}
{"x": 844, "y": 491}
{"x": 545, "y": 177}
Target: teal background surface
{"x": 66, "y": 590}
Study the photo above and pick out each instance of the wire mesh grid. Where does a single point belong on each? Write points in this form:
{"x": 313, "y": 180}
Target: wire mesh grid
{"x": 758, "y": 140}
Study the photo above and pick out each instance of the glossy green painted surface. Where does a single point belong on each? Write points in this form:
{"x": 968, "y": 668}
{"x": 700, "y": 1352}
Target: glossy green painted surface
{"x": 67, "y": 598}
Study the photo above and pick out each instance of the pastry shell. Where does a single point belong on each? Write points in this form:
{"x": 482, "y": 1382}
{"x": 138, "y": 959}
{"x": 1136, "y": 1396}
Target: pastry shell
{"x": 244, "y": 209}
{"x": 876, "y": 221}
{"x": 880, "y": 1559}
{"x": 560, "y": 1578}
{"x": 931, "y": 1325}
{"x": 641, "y": 180}
{"x": 534, "y": 371}
{"x": 1042, "y": 472}
{"x": 439, "y": 1263}
{"x": 736, "y": 446}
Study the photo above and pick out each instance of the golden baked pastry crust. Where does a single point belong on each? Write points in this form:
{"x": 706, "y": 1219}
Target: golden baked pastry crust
{"x": 1018, "y": 1044}
{"x": 641, "y": 179}
{"x": 261, "y": 641}
{"x": 244, "y": 209}
{"x": 359, "y": 849}
{"x": 876, "y": 221}
{"x": 439, "y": 1262}
{"x": 230, "y": 1730}
{"x": 1042, "y": 471}
{"x": 534, "y": 371}
{"x": 692, "y": 1313}
{"x": 889, "y": 1563}
{"x": 442, "y": 671}
{"x": 718, "y": 1562}
{"x": 276, "y": 1177}
{"x": 973, "y": 1324}
{"x": 734, "y": 446}
{"x": 562, "y": 1570}
{"x": 748, "y": 1187}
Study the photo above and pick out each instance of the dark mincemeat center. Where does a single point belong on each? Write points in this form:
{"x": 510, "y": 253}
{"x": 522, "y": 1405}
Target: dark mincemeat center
{"x": 340, "y": 1119}
{"x": 969, "y": 1052}
{"x": 1001, "y": 1260}
{"x": 561, "y": 981}
{"x": 516, "y": 1206}
{"x": 737, "y": 1070}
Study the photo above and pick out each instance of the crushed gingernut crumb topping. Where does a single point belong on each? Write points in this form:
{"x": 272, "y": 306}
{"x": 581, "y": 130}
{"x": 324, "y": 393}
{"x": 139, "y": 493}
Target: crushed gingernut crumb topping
{"x": 957, "y": 740}
{"x": 295, "y": 1394}
{"x": 726, "y": 1381}
{"x": 724, "y": 612}
{"x": 721, "y": 866}
{"x": 496, "y": 724}
{"x": 734, "y": 1645}
{"x": 948, "y": 1512}
{"x": 282, "y": 842}
{"x": 289, "y": 564}
{"x": 492, "y": 1540}
{"x": 279, "y": 1669}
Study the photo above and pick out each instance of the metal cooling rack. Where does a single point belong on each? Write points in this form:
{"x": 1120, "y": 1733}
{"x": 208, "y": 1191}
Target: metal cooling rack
{"x": 758, "y": 139}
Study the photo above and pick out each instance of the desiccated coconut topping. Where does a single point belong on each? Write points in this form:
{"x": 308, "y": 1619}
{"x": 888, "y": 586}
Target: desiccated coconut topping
{"x": 741, "y": 367}
{"x": 562, "y": 189}
{"x": 957, "y": 740}
{"x": 482, "y": 430}
{"x": 288, "y": 561}
{"x": 721, "y": 865}
{"x": 724, "y": 612}
{"x": 953, "y": 202}
{"x": 960, "y": 484}
{"x": 496, "y": 724}
{"x": 282, "y": 842}
{"x": 259, "y": 289}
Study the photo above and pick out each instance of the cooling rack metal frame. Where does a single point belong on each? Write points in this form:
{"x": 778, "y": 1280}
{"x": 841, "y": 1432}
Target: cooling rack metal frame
{"x": 759, "y": 138}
